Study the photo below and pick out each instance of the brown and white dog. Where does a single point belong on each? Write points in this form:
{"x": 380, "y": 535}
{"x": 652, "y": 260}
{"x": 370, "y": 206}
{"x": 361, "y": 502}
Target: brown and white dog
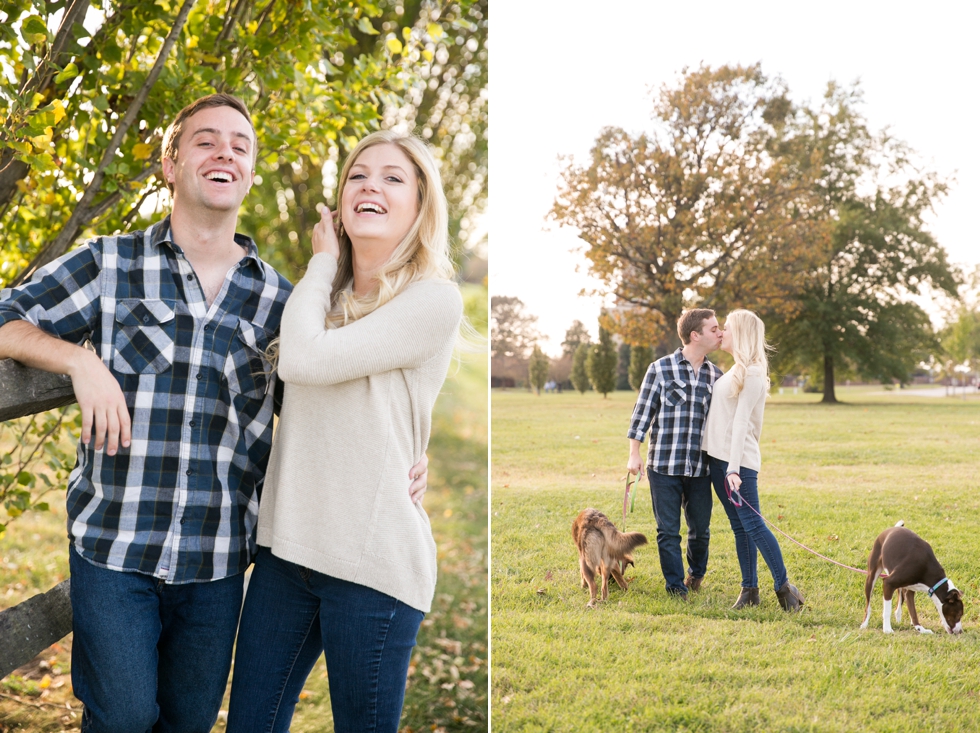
{"x": 602, "y": 549}
{"x": 910, "y": 565}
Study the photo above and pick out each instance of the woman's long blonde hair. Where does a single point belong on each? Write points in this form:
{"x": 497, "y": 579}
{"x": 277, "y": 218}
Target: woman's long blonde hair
{"x": 422, "y": 254}
{"x": 749, "y": 346}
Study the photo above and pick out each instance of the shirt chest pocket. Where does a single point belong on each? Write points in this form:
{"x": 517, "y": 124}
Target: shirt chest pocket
{"x": 675, "y": 393}
{"x": 145, "y": 332}
{"x": 247, "y": 371}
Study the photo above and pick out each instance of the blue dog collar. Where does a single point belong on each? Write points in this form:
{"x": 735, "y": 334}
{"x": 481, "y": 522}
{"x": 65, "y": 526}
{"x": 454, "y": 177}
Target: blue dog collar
{"x": 936, "y": 586}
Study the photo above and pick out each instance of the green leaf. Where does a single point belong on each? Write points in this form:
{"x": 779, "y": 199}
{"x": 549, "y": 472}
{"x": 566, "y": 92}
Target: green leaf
{"x": 25, "y": 478}
{"x": 33, "y": 25}
{"x": 69, "y": 72}
{"x": 364, "y": 26}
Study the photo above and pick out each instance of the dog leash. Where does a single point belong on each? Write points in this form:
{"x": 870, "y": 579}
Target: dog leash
{"x": 629, "y": 498}
{"x": 731, "y": 490}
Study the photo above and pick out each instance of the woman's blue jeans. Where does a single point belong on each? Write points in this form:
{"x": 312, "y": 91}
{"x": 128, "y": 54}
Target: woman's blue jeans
{"x": 147, "y": 655}
{"x": 291, "y": 615}
{"x": 751, "y": 532}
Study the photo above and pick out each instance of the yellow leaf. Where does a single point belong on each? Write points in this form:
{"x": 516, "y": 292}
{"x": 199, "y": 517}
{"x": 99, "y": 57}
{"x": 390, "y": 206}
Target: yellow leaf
{"x": 59, "y": 110}
{"x": 192, "y": 42}
{"x": 141, "y": 151}
{"x": 211, "y": 59}
{"x": 45, "y": 682}
{"x": 252, "y": 27}
{"x": 304, "y": 694}
{"x": 24, "y": 148}
{"x": 427, "y": 55}
{"x": 36, "y": 100}
{"x": 394, "y": 45}
{"x": 434, "y": 30}
{"x": 407, "y": 34}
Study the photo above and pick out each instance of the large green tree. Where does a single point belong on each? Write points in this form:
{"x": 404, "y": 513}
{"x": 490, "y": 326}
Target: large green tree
{"x": 537, "y": 369}
{"x": 870, "y": 250}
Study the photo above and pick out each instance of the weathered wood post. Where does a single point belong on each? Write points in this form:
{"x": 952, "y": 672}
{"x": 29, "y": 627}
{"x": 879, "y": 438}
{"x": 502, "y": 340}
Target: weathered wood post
{"x": 30, "y": 627}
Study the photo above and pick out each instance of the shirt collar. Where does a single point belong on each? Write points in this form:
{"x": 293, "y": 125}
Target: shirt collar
{"x": 160, "y": 233}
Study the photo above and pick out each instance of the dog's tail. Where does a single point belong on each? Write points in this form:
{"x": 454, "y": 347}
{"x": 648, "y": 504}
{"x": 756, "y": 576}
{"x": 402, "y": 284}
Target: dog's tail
{"x": 900, "y": 523}
{"x": 625, "y": 542}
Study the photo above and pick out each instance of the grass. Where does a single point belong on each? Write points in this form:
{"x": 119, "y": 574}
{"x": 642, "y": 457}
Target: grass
{"x": 833, "y": 477}
{"x": 447, "y": 686}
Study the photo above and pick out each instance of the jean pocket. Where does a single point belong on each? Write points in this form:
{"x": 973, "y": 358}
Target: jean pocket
{"x": 247, "y": 370}
{"x": 145, "y": 333}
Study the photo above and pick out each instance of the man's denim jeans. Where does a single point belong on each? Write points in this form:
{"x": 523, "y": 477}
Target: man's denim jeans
{"x": 751, "y": 532}
{"x": 147, "y": 655}
{"x": 672, "y": 495}
{"x": 293, "y": 614}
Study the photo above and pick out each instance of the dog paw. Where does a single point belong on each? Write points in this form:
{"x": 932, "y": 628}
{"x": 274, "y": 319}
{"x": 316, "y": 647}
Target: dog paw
{"x": 864, "y": 625}
{"x": 591, "y": 604}
{"x": 922, "y": 629}
{"x": 888, "y": 631}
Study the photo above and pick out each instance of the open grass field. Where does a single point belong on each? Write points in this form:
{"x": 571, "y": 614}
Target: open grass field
{"x": 833, "y": 477}
{"x": 447, "y": 686}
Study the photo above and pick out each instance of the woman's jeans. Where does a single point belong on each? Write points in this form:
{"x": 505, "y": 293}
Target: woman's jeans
{"x": 750, "y": 530}
{"x": 292, "y": 614}
{"x": 148, "y": 655}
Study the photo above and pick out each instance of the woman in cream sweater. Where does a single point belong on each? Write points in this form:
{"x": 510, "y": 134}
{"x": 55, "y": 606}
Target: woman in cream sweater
{"x": 346, "y": 562}
{"x": 731, "y": 440}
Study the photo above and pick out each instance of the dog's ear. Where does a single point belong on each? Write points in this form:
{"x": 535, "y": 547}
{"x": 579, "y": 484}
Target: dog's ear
{"x": 955, "y": 594}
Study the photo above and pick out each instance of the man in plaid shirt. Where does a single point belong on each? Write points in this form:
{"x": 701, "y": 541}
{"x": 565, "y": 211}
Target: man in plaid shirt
{"x": 673, "y": 405}
{"x": 177, "y": 402}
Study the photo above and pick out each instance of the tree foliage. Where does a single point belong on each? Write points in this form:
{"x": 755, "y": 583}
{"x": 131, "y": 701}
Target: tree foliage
{"x": 538, "y": 369}
{"x": 739, "y": 198}
{"x": 669, "y": 216}
{"x": 512, "y": 331}
{"x": 576, "y": 334}
{"x": 580, "y": 376}
{"x": 871, "y": 249}
{"x": 641, "y": 357}
{"x": 600, "y": 364}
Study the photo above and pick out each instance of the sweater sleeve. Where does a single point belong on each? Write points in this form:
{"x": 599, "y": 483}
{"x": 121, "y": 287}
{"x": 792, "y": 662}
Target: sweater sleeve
{"x": 753, "y": 390}
{"x": 404, "y": 333}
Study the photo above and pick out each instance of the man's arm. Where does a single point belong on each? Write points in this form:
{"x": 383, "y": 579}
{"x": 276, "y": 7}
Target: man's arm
{"x": 97, "y": 391}
{"x": 644, "y": 411}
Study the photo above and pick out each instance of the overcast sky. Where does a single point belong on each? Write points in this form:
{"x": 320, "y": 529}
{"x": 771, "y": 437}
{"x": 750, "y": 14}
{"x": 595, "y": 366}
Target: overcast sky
{"x": 563, "y": 71}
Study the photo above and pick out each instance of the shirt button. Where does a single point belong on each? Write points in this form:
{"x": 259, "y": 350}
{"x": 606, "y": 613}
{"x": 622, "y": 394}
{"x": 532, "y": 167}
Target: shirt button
{"x": 207, "y": 326}
{"x": 189, "y": 278}
{"x": 146, "y": 319}
{"x": 192, "y": 423}
{"x": 200, "y": 375}
{"x": 183, "y": 519}
{"x": 190, "y": 471}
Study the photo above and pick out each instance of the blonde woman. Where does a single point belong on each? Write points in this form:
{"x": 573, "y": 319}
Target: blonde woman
{"x": 346, "y": 562}
{"x": 731, "y": 440}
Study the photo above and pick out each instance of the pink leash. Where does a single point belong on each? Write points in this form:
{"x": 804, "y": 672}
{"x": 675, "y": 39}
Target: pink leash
{"x": 740, "y": 501}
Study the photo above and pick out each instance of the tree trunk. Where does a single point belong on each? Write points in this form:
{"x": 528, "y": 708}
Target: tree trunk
{"x": 829, "y": 397}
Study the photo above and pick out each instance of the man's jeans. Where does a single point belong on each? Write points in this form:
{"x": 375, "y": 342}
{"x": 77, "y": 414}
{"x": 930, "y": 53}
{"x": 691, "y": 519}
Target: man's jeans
{"x": 671, "y": 495}
{"x": 147, "y": 655}
{"x": 293, "y": 614}
{"x": 751, "y": 532}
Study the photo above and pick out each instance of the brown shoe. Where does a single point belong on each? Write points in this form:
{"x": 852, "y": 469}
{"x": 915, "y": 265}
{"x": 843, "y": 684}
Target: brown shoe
{"x": 693, "y": 584}
{"x": 790, "y": 597}
{"x": 747, "y": 597}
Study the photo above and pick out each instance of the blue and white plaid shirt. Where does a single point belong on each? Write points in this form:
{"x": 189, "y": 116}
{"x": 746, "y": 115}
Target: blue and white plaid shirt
{"x": 673, "y": 405}
{"x": 181, "y": 502}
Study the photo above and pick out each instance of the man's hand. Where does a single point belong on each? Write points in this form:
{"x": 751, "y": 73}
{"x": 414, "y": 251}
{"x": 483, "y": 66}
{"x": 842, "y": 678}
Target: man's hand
{"x": 419, "y": 475}
{"x": 101, "y": 400}
{"x": 635, "y": 463}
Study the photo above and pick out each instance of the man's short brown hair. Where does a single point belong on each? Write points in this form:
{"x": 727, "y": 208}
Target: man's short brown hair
{"x": 171, "y": 138}
{"x": 692, "y": 320}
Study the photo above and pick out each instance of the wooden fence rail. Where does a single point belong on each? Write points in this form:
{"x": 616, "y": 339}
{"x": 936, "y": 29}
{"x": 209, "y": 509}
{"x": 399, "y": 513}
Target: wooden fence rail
{"x": 30, "y": 627}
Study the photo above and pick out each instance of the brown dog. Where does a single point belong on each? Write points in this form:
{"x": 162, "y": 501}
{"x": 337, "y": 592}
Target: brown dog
{"x": 909, "y": 565}
{"x": 602, "y": 549}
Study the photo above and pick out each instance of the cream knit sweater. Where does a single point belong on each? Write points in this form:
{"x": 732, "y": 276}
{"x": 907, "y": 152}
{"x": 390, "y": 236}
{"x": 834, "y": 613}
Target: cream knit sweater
{"x": 356, "y": 417}
{"x": 733, "y": 427}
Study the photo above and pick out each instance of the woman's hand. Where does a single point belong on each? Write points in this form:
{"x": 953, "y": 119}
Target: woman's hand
{"x": 419, "y": 475}
{"x": 734, "y": 480}
{"x": 325, "y": 232}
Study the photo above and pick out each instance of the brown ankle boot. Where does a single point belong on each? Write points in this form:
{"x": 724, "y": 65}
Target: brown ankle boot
{"x": 790, "y": 597}
{"x": 747, "y": 597}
